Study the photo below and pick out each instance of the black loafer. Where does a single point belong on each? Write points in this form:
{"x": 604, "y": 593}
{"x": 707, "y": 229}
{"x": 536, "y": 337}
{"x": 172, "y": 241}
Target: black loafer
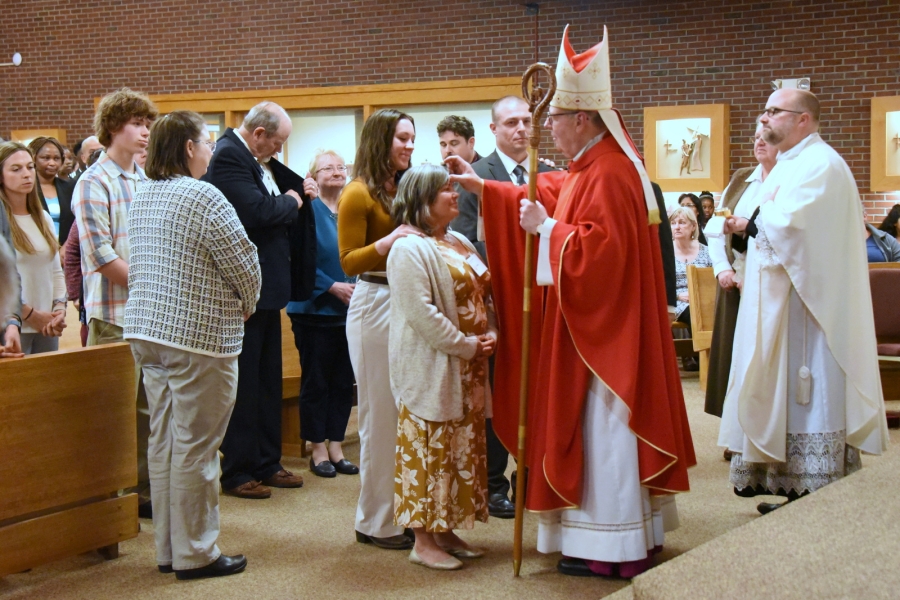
{"x": 323, "y": 469}
{"x": 500, "y": 507}
{"x": 574, "y": 566}
{"x": 765, "y": 508}
{"x": 345, "y": 467}
{"x": 165, "y": 568}
{"x": 395, "y": 542}
{"x": 145, "y": 510}
{"x": 224, "y": 565}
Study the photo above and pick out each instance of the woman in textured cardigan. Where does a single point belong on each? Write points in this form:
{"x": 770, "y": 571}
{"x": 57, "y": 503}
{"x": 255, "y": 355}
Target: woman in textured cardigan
{"x": 193, "y": 279}
{"x": 442, "y": 332}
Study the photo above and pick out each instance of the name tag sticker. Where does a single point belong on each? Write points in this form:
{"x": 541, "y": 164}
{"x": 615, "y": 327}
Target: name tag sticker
{"x": 477, "y": 265}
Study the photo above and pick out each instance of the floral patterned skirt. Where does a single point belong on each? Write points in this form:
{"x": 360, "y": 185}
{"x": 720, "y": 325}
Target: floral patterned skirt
{"x": 441, "y": 474}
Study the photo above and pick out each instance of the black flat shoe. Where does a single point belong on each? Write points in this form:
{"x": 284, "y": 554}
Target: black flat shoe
{"x": 345, "y": 467}
{"x": 165, "y": 568}
{"x": 765, "y": 508}
{"x": 574, "y": 566}
{"x": 323, "y": 469}
{"x": 145, "y": 510}
{"x": 395, "y": 542}
{"x": 224, "y": 565}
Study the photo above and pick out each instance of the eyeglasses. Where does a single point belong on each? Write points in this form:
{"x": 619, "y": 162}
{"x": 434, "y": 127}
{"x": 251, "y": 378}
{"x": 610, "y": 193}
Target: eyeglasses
{"x": 211, "y": 144}
{"x": 774, "y": 111}
{"x": 559, "y": 114}
{"x": 331, "y": 170}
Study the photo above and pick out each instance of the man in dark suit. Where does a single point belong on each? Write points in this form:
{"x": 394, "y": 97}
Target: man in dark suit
{"x": 667, "y": 248}
{"x": 511, "y": 126}
{"x": 281, "y": 226}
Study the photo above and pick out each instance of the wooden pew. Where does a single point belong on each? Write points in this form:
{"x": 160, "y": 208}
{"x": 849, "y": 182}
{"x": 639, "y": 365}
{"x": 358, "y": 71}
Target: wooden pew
{"x": 702, "y": 286}
{"x": 67, "y": 445}
{"x": 884, "y": 305}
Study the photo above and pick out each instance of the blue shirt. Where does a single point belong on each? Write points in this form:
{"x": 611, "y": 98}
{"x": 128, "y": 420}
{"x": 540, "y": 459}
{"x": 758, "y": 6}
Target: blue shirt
{"x": 328, "y": 270}
{"x": 873, "y": 251}
{"x": 53, "y": 209}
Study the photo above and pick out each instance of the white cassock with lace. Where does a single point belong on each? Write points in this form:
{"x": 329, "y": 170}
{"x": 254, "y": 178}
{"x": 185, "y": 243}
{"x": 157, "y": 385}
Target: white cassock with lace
{"x": 804, "y": 394}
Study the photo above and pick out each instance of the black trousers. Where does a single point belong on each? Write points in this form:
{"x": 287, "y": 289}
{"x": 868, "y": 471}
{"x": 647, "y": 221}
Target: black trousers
{"x": 252, "y": 444}
{"x": 497, "y": 459}
{"x": 685, "y": 317}
{"x": 497, "y": 456}
{"x": 326, "y": 381}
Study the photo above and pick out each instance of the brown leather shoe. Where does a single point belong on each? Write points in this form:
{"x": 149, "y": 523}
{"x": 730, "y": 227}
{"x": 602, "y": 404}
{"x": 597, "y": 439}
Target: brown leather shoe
{"x": 252, "y": 490}
{"x": 284, "y": 479}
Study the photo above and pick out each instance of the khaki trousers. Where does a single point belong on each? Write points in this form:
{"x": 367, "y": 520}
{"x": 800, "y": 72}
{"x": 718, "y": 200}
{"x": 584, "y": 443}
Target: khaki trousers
{"x": 191, "y": 397}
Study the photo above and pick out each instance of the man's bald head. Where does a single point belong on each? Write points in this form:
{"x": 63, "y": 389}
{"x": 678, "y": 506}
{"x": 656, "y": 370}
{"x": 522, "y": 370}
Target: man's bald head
{"x": 804, "y": 101}
{"x": 88, "y": 147}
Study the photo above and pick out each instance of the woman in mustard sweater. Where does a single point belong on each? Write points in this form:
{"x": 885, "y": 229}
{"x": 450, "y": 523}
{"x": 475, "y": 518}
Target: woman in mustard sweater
{"x": 366, "y": 233}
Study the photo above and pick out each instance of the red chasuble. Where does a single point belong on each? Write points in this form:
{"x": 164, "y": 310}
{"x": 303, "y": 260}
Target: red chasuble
{"x": 605, "y": 315}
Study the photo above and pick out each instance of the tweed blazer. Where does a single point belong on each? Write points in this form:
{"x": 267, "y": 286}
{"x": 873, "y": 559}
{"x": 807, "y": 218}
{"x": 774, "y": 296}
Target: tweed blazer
{"x": 425, "y": 345}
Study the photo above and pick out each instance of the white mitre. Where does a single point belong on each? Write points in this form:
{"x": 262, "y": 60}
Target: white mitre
{"x": 582, "y": 83}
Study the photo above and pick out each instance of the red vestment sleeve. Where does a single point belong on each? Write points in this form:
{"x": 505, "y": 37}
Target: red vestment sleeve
{"x": 506, "y": 255}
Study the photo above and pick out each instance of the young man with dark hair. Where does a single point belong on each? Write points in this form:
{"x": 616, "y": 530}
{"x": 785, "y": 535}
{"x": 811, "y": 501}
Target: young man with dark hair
{"x": 100, "y": 202}
{"x": 457, "y": 135}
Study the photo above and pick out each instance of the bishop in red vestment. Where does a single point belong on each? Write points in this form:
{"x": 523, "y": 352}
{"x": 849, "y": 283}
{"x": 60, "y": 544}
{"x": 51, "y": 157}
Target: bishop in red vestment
{"x": 608, "y": 437}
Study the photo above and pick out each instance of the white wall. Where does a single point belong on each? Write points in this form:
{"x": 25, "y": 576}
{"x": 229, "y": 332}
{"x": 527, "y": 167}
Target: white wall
{"x": 339, "y": 130}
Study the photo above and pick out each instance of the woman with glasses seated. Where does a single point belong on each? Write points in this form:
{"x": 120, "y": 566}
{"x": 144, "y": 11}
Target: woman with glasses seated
{"x": 320, "y": 331}
{"x": 193, "y": 279}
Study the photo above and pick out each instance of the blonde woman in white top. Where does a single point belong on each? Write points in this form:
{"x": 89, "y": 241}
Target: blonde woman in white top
{"x": 37, "y": 251}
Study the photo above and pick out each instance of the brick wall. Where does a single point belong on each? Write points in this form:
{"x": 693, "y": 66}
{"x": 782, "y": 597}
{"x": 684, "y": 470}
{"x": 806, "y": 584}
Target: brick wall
{"x": 662, "y": 53}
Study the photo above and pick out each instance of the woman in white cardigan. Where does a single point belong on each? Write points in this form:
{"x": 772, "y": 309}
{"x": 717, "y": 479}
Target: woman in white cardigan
{"x": 37, "y": 251}
{"x": 441, "y": 335}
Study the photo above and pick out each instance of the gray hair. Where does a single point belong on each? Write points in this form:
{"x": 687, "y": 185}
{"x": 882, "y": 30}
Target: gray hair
{"x": 267, "y": 115}
{"x": 417, "y": 192}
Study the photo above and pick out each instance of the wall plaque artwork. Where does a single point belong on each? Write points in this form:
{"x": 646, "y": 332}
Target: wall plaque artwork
{"x": 686, "y": 147}
{"x": 885, "y": 147}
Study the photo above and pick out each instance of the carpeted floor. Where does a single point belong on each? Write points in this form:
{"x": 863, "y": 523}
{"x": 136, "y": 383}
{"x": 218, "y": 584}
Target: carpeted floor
{"x": 300, "y": 544}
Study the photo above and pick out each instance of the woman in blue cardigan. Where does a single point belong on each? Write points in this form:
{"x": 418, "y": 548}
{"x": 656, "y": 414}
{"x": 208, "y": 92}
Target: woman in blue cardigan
{"x": 319, "y": 325}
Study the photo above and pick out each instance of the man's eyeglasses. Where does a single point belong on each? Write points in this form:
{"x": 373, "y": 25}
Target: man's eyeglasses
{"x": 211, "y": 144}
{"x": 774, "y": 111}
{"x": 550, "y": 117}
{"x": 331, "y": 170}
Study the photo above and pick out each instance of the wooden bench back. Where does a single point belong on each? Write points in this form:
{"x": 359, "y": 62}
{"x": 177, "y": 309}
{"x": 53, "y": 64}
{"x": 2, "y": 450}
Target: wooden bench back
{"x": 67, "y": 419}
{"x": 702, "y": 287}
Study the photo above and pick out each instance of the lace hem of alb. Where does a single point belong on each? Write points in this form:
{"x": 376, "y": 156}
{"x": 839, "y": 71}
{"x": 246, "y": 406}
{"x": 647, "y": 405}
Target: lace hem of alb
{"x": 813, "y": 461}
{"x": 767, "y": 256}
